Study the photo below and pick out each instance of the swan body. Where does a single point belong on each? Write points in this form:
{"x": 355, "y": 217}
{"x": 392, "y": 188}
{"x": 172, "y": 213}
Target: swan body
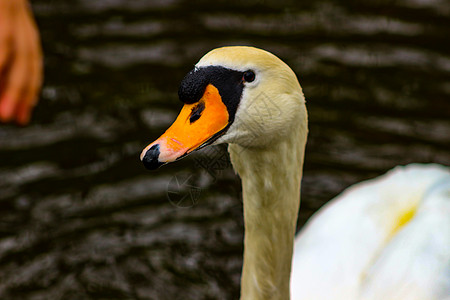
{"x": 363, "y": 245}
{"x": 385, "y": 238}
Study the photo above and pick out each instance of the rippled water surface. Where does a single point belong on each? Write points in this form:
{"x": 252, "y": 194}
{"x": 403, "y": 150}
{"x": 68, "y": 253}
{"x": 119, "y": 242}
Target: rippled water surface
{"x": 81, "y": 218}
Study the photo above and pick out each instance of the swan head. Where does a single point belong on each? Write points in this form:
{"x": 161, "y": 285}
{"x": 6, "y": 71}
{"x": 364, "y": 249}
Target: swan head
{"x": 238, "y": 95}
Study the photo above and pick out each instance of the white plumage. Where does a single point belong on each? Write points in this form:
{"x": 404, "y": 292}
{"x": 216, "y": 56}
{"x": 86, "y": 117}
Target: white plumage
{"x": 386, "y": 238}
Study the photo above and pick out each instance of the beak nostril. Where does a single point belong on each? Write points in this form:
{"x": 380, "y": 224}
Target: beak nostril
{"x": 151, "y": 158}
{"x": 196, "y": 112}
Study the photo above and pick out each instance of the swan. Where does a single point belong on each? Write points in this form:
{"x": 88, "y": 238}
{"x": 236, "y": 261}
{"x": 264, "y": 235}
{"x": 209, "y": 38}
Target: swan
{"x": 387, "y": 238}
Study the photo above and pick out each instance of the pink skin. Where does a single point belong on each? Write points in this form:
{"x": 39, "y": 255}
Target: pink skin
{"x": 20, "y": 62}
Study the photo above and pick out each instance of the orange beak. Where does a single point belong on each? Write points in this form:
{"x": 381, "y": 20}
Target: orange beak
{"x": 196, "y": 124}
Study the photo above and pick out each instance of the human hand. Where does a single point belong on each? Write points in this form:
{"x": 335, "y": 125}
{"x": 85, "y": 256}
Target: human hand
{"x": 20, "y": 61}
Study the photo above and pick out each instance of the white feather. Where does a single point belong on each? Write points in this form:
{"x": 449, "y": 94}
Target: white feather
{"x": 356, "y": 248}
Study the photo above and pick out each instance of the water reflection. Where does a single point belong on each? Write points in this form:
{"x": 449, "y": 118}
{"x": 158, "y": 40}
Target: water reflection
{"x": 81, "y": 218}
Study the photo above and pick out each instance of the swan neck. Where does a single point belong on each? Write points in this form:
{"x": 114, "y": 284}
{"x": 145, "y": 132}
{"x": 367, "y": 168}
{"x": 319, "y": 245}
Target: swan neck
{"x": 271, "y": 194}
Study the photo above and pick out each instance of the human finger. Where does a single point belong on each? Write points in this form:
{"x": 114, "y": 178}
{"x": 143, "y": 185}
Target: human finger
{"x": 32, "y": 86}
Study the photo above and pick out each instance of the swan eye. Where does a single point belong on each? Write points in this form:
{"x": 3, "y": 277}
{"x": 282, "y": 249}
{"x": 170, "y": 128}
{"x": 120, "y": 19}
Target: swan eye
{"x": 249, "y": 76}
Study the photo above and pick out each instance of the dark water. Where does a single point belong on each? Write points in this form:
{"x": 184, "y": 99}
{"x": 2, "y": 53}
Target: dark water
{"x": 81, "y": 218}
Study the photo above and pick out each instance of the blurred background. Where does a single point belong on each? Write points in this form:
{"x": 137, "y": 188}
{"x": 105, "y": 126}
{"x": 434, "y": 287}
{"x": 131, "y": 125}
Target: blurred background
{"x": 81, "y": 218}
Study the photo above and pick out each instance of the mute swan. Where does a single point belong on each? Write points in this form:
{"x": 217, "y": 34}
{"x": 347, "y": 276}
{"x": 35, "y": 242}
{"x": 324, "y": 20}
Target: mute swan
{"x": 366, "y": 244}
